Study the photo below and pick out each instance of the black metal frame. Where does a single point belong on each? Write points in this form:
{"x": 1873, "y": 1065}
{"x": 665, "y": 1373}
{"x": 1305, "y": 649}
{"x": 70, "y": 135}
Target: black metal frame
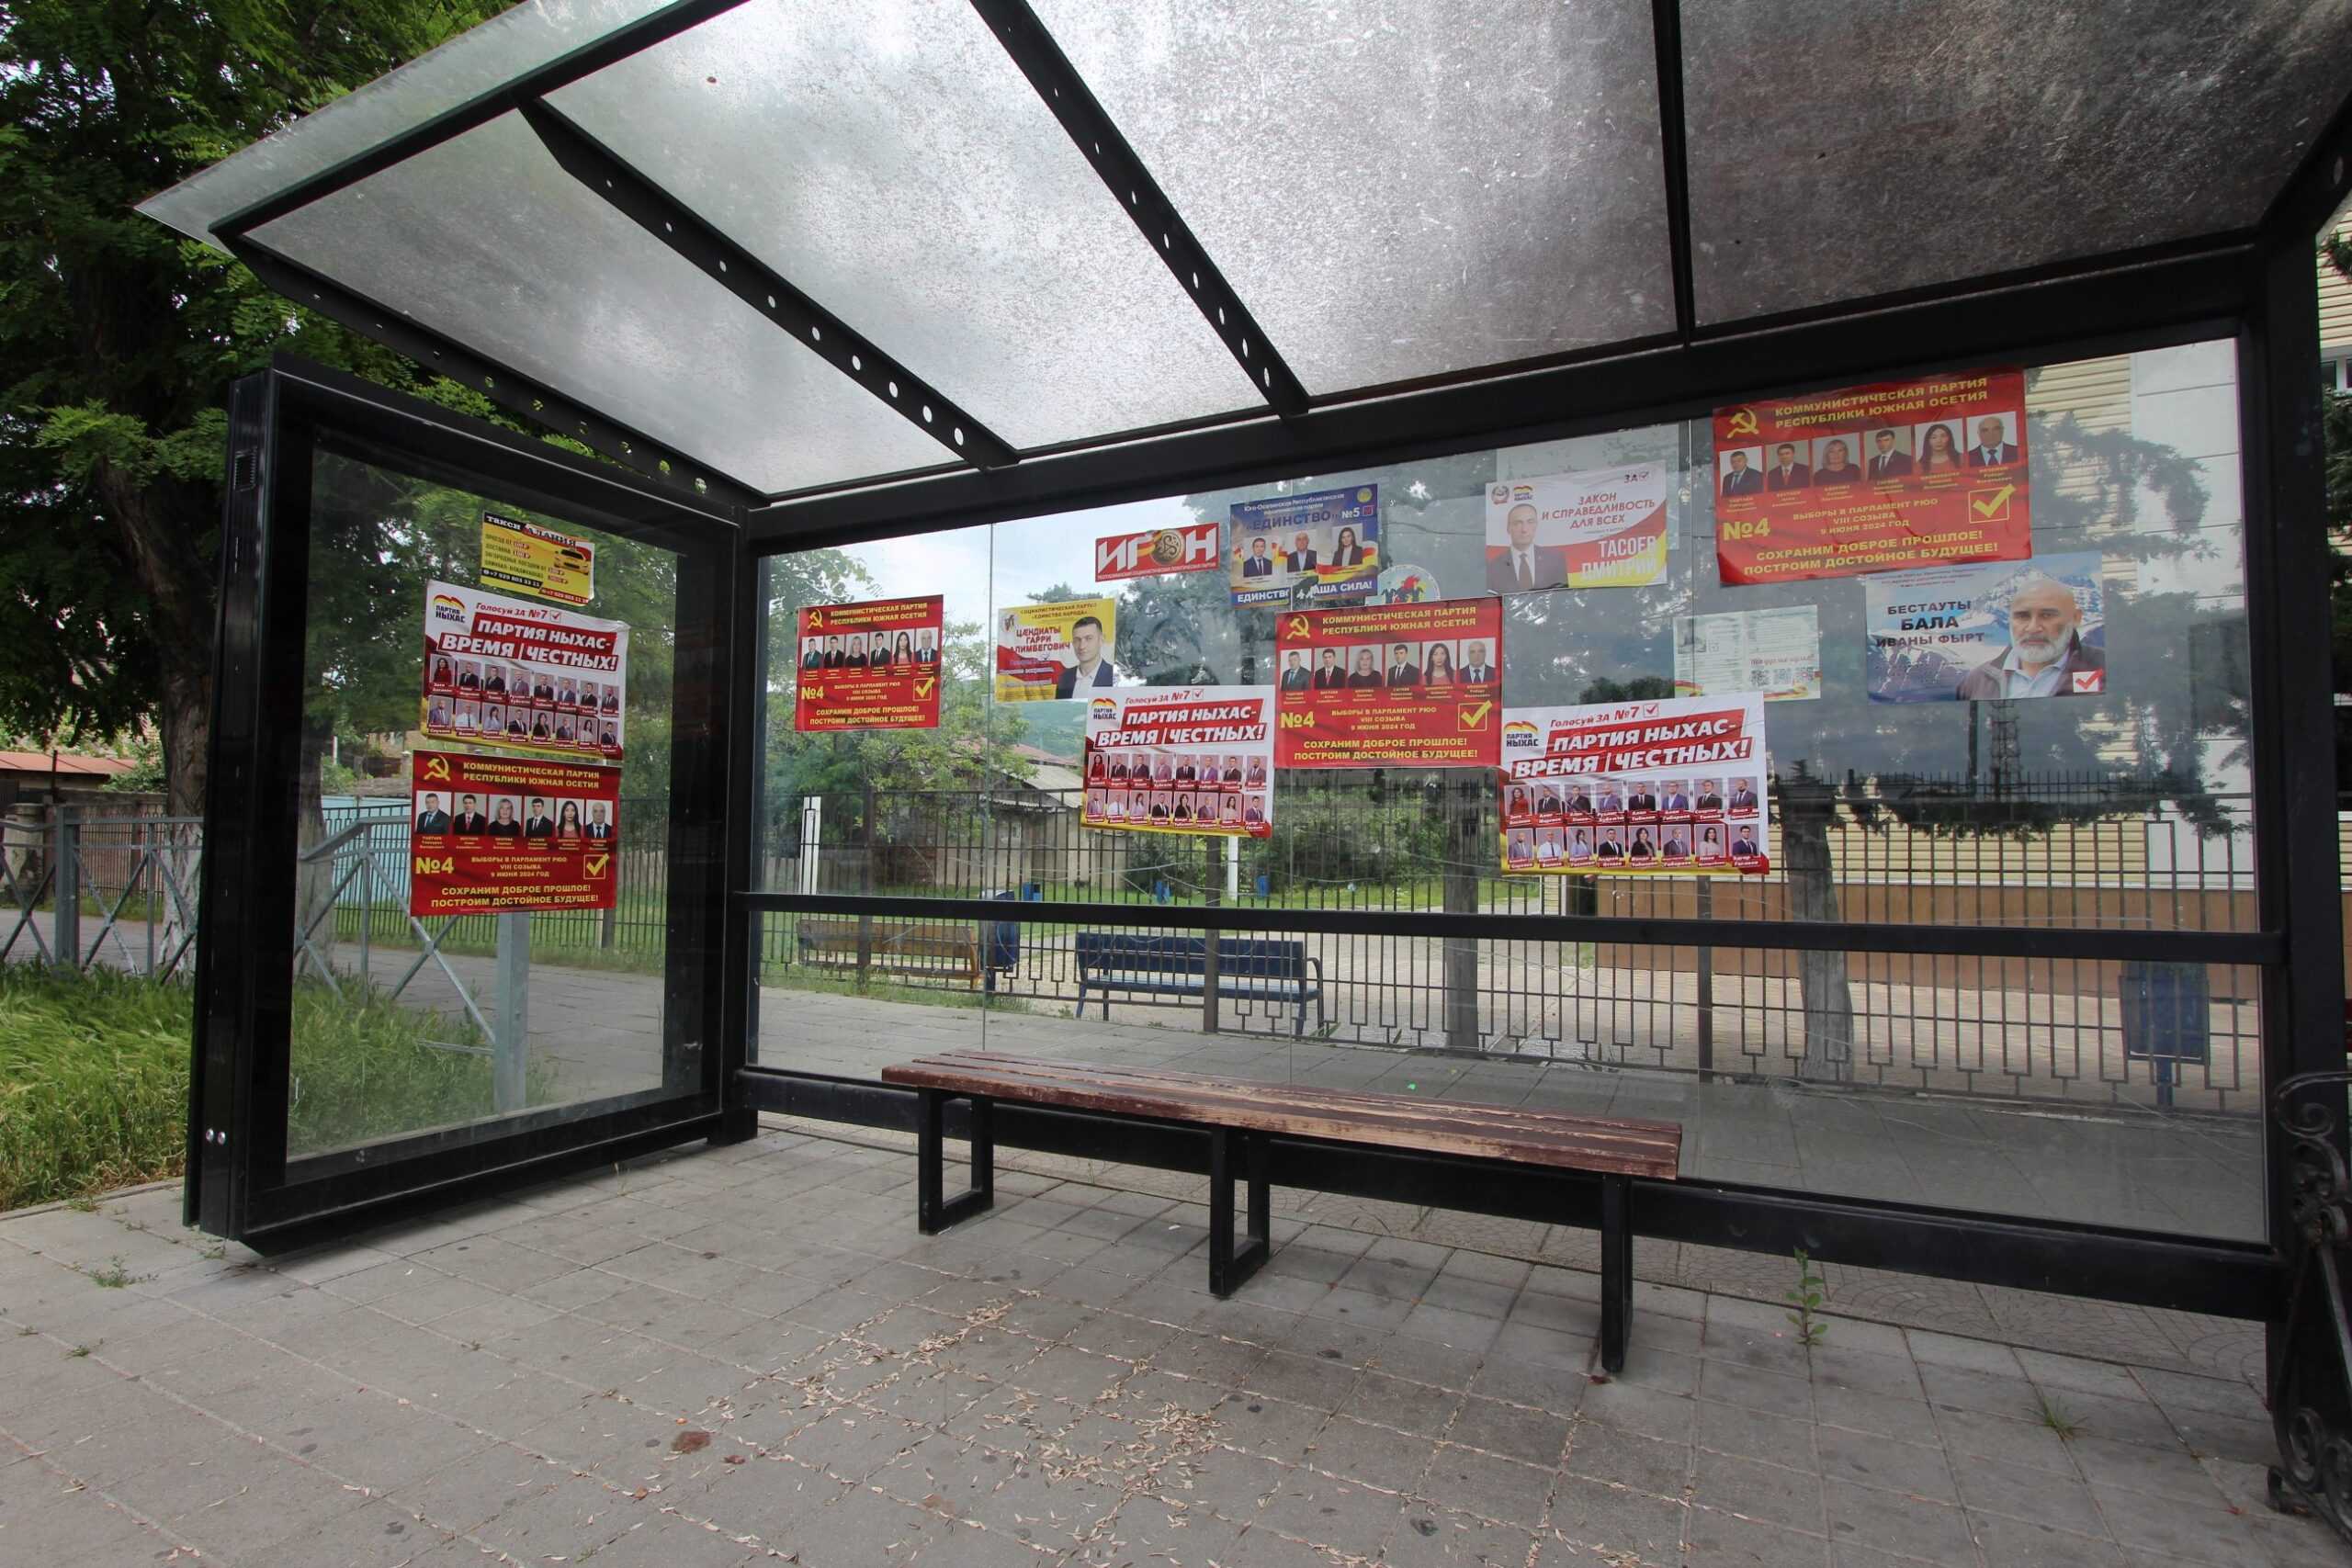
{"x": 240, "y": 1181}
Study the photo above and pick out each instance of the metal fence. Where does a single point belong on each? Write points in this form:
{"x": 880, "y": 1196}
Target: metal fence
{"x": 87, "y": 890}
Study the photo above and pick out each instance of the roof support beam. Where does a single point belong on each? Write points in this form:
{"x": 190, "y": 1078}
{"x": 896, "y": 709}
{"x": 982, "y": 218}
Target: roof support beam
{"x": 586, "y": 61}
{"x": 1073, "y": 102}
{"x": 1674, "y": 147}
{"x": 696, "y": 482}
{"x": 2321, "y": 183}
{"x": 728, "y": 264}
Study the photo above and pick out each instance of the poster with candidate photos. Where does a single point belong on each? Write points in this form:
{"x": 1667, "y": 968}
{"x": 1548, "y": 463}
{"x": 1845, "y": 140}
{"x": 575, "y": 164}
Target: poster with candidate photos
{"x": 868, "y": 666}
{"x": 1669, "y": 785}
{"x": 511, "y": 835}
{"x": 1322, "y": 547}
{"x": 521, "y": 677}
{"x": 1993, "y": 632}
{"x": 1416, "y": 686}
{"x": 1598, "y": 528}
{"x": 1879, "y": 478}
{"x": 1049, "y": 651}
{"x": 1181, "y": 760}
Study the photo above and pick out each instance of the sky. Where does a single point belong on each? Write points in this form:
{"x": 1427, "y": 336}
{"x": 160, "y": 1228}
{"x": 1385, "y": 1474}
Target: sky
{"x": 1033, "y": 556}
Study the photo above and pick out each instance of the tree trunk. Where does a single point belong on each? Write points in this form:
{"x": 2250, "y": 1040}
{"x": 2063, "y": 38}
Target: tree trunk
{"x": 1469, "y": 847}
{"x": 159, "y": 519}
{"x": 1806, "y": 811}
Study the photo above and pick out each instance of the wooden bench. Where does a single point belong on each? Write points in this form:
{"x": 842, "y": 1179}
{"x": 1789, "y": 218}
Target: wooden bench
{"x": 1241, "y": 1115}
{"x": 1247, "y": 968}
{"x": 932, "y": 948}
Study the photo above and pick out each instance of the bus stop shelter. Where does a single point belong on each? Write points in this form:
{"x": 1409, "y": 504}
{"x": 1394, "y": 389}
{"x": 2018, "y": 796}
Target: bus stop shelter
{"x": 861, "y": 277}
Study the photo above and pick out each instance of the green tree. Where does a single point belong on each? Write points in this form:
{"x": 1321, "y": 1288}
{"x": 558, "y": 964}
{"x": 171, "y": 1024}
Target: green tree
{"x": 122, "y": 338}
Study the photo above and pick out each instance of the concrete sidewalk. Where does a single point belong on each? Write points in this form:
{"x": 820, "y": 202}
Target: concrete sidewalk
{"x": 728, "y": 1357}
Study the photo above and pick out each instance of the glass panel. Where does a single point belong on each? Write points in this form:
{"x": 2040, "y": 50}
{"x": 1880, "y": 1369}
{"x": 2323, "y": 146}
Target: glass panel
{"x": 2118, "y": 1092}
{"x": 888, "y": 157}
{"x": 450, "y": 1024}
{"x": 479, "y": 60}
{"x": 1436, "y": 188}
{"x": 1838, "y": 152}
{"x": 488, "y": 241}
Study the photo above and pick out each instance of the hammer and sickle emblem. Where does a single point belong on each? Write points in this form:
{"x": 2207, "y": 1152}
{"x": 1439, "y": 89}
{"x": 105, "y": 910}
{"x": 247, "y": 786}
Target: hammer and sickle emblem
{"x": 1298, "y": 625}
{"x": 816, "y": 616}
{"x": 1742, "y": 422}
{"x": 437, "y": 769}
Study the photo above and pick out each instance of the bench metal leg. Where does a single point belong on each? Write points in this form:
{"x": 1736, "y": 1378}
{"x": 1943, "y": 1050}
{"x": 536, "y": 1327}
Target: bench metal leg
{"x": 1616, "y": 1270}
{"x": 1228, "y": 1269}
{"x": 934, "y": 1211}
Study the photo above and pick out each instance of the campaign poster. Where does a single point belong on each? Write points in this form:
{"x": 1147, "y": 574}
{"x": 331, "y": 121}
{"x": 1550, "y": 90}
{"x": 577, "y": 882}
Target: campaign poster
{"x": 1156, "y": 552}
{"x": 1881, "y": 478}
{"x": 873, "y": 665}
{"x": 1322, "y": 547}
{"x": 519, "y": 677}
{"x": 1988, "y": 633}
{"x": 1671, "y": 784}
{"x": 1389, "y": 685}
{"x": 1067, "y": 649}
{"x": 1181, "y": 760}
{"x": 1601, "y": 528}
{"x": 506, "y": 835}
{"x": 533, "y": 558}
{"x": 1775, "y": 653}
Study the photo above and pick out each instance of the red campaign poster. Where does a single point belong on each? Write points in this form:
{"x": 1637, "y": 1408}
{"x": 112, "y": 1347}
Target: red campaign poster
{"x": 505, "y": 835}
{"x": 869, "y": 666}
{"x": 1156, "y": 552}
{"x": 1389, "y": 685}
{"x": 1881, "y": 478}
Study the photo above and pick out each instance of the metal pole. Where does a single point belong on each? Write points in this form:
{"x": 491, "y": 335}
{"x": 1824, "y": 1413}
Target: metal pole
{"x": 367, "y": 897}
{"x": 865, "y": 885}
{"x": 1210, "y": 1007}
{"x": 1706, "y": 911}
{"x": 65, "y": 928}
{"x": 512, "y": 1048}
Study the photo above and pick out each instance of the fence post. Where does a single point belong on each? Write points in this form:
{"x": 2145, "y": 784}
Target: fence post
{"x": 65, "y": 926}
{"x": 366, "y": 898}
{"x": 512, "y": 1048}
{"x": 1465, "y": 837}
{"x": 1704, "y": 888}
{"x": 1210, "y": 889}
{"x": 865, "y": 885}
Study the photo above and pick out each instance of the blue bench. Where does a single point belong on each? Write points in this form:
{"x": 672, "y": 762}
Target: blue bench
{"x": 1247, "y": 969}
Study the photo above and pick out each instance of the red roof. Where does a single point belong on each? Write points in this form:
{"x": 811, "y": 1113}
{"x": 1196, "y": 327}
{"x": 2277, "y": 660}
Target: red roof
{"x": 68, "y": 764}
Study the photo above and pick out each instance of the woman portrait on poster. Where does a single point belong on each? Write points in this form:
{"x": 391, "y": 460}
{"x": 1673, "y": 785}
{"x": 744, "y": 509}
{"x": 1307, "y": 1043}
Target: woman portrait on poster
{"x": 1642, "y": 849}
{"x": 1437, "y": 665}
{"x": 566, "y": 821}
{"x": 1095, "y": 769}
{"x": 502, "y": 824}
{"x": 1366, "y": 674}
{"x": 906, "y": 651}
{"x": 1347, "y": 552}
{"x": 1939, "y": 450}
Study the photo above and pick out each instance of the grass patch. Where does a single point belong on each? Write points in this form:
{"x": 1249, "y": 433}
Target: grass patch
{"x": 94, "y": 1077}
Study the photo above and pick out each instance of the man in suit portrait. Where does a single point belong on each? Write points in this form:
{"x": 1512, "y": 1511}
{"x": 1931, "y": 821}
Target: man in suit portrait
{"x": 1739, "y": 479}
{"x": 469, "y": 819}
{"x": 1743, "y": 847}
{"x": 1089, "y": 669}
{"x": 430, "y": 817}
{"x": 1886, "y": 463}
{"x": 1991, "y": 451}
{"x": 1185, "y": 772}
{"x": 1743, "y": 796}
{"x": 496, "y": 685}
{"x": 468, "y": 681}
{"x": 833, "y": 654}
{"x": 1641, "y": 800}
{"x": 925, "y": 654}
{"x": 1677, "y": 798}
{"x": 612, "y": 697}
{"x": 1300, "y": 556}
{"x": 1232, "y": 774}
{"x": 1475, "y": 671}
{"x": 1260, "y": 563}
{"x": 1402, "y": 670}
{"x": 1580, "y": 802}
{"x": 814, "y": 658}
{"x": 1786, "y": 472}
{"x": 1711, "y": 796}
{"x": 1296, "y": 677}
{"x": 2047, "y": 656}
{"x": 1525, "y": 566}
{"x": 1610, "y": 800}
{"x": 1329, "y": 674}
{"x": 597, "y": 826}
{"x": 537, "y": 822}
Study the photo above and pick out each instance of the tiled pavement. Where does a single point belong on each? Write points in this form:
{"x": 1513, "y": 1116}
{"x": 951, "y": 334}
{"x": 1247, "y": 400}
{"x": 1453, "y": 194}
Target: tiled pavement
{"x": 733, "y": 1356}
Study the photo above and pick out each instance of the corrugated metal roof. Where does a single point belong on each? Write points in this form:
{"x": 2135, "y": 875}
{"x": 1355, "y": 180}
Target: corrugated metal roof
{"x": 69, "y": 765}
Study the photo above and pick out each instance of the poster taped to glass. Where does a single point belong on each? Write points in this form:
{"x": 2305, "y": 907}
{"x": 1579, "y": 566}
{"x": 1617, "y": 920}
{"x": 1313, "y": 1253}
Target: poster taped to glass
{"x": 1322, "y": 547}
{"x": 872, "y": 665}
{"x": 520, "y": 677}
{"x": 1063, "y": 650}
{"x": 1880, "y": 478}
{"x": 1186, "y": 759}
{"x": 1991, "y": 633}
{"x": 1601, "y": 528}
{"x": 1776, "y": 653}
{"x": 505, "y": 835}
{"x": 1671, "y": 786}
{"x": 1156, "y": 552}
{"x": 531, "y": 558}
{"x": 1390, "y": 685}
